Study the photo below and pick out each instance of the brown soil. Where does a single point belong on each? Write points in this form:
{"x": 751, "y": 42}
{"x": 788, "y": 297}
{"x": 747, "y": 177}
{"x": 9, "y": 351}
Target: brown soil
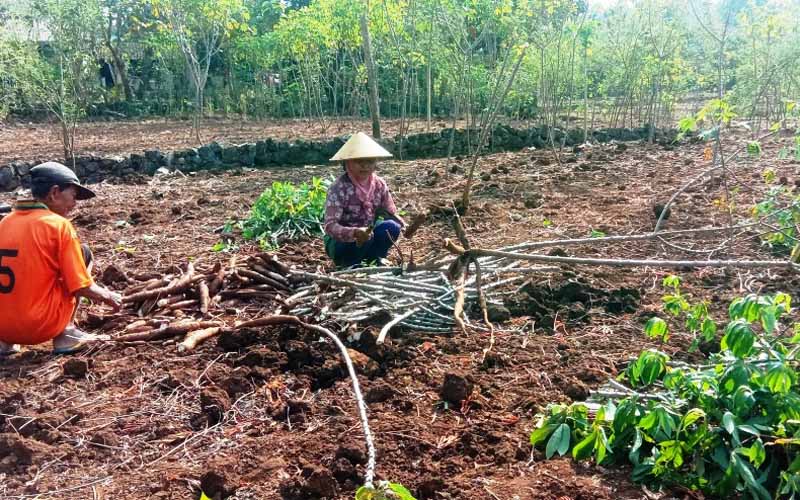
{"x": 269, "y": 414}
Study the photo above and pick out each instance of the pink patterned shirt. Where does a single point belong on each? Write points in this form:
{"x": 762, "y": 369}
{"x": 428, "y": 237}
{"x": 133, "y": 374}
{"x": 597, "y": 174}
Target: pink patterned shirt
{"x": 344, "y": 212}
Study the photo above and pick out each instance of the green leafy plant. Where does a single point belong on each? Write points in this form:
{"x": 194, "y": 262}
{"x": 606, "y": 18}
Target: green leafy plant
{"x": 696, "y": 318}
{"x": 727, "y": 427}
{"x": 716, "y": 111}
{"x": 597, "y": 234}
{"x": 754, "y": 149}
{"x": 780, "y": 209}
{"x": 225, "y": 246}
{"x": 384, "y": 491}
{"x": 287, "y": 212}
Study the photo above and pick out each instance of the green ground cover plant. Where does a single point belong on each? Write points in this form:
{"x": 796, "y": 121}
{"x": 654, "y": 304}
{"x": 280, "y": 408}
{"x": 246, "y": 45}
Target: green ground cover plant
{"x": 286, "y": 212}
{"x": 728, "y": 426}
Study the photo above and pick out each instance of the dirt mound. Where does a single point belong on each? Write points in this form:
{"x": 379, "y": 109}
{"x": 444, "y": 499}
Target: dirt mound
{"x": 455, "y": 388}
{"x": 19, "y": 452}
{"x": 570, "y": 302}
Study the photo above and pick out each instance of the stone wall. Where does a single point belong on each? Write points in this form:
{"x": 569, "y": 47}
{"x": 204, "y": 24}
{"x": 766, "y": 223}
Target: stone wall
{"x": 270, "y": 153}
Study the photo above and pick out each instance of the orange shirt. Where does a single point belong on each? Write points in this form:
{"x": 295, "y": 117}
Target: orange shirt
{"x": 41, "y": 267}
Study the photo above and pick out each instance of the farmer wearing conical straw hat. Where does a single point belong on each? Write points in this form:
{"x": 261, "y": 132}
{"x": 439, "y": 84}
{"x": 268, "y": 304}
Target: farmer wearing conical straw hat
{"x": 354, "y": 201}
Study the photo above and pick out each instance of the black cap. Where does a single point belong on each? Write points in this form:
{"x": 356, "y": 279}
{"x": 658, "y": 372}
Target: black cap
{"x": 55, "y": 174}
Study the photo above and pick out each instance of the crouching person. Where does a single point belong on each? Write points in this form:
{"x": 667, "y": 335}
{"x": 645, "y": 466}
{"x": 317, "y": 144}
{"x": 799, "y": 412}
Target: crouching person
{"x": 44, "y": 269}
{"x": 355, "y": 201}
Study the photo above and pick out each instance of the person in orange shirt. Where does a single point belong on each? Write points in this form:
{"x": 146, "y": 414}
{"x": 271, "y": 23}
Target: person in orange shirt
{"x": 44, "y": 269}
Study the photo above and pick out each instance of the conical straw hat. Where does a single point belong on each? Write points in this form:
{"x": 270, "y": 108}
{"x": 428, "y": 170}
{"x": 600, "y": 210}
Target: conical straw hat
{"x": 360, "y": 145}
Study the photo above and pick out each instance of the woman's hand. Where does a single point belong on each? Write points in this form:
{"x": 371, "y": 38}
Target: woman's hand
{"x": 362, "y": 235}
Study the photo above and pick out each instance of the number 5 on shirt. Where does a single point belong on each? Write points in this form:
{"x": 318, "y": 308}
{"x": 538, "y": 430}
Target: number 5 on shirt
{"x": 6, "y": 271}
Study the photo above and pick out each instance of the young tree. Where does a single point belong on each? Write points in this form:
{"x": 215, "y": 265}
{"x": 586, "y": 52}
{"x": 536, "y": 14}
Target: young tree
{"x": 372, "y": 78}
{"x": 201, "y": 28}
{"x": 120, "y": 19}
{"x": 34, "y": 80}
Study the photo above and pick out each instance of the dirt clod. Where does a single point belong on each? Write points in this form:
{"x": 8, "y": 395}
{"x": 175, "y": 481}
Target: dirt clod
{"x": 17, "y": 451}
{"x": 216, "y": 486}
{"x": 658, "y": 208}
{"x": 76, "y": 368}
{"x": 456, "y": 388}
{"x": 498, "y": 313}
{"x": 428, "y": 489}
{"x": 105, "y": 438}
{"x": 363, "y": 363}
{"x": 379, "y": 393}
{"x": 234, "y": 340}
{"x": 352, "y": 453}
{"x": 214, "y": 402}
{"x": 317, "y": 483}
{"x": 572, "y": 299}
{"x": 343, "y": 470}
{"x": 577, "y": 390}
{"x": 113, "y": 275}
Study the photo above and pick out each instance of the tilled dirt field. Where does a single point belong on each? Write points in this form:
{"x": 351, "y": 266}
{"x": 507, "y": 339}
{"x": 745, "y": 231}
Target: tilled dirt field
{"x": 30, "y": 140}
{"x": 269, "y": 413}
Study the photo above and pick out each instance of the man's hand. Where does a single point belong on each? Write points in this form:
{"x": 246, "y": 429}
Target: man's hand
{"x": 98, "y": 293}
{"x": 112, "y": 299}
{"x": 362, "y": 235}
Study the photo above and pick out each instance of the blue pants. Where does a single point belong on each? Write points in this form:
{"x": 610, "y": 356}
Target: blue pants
{"x": 377, "y": 247}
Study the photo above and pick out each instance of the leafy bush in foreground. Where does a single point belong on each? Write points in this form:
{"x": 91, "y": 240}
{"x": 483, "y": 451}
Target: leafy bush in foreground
{"x": 729, "y": 426}
{"x": 287, "y": 212}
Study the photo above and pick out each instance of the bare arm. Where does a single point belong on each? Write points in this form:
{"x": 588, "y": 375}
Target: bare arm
{"x": 98, "y": 293}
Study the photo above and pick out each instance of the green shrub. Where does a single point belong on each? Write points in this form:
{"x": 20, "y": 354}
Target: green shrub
{"x": 779, "y": 210}
{"x": 286, "y": 212}
{"x": 728, "y": 427}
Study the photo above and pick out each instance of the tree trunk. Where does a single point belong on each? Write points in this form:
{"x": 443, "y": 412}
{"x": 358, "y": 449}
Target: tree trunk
{"x": 198, "y": 111}
{"x": 585, "y": 97}
{"x": 428, "y": 87}
{"x": 372, "y": 77}
{"x": 122, "y": 70}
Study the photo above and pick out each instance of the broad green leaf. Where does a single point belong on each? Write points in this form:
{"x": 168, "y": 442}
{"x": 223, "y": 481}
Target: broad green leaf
{"x": 687, "y": 124}
{"x": 649, "y": 421}
{"x": 743, "y": 400}
{"x": 709, "y": 329}
{"x": 203, "y": 496}
{"x": 691, "y": 417}
{"x": 559, "y": 441}
{"x": 745, "y": 471}
{"x": 756, "y": 453}
{"x": 728, "y": 422}
{"x": 648, "y": 367}
{"x": 600, "y": 445}
{"x": 401, "y": 491}
{"x": 585, "y": 447}
{"x": 633, "y": 454}
{"x": 780, "y": 379}
{"x": 540, "y": 434}
{"x": 656, "y": 328}
{"x": 736, "y": 309}
{"x": 625, "y": 417}
{"x": 768, "y": 319}
{"x": 738, "y": 338}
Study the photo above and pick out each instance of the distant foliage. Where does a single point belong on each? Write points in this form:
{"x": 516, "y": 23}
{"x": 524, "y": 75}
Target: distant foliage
{"x": 630, "y": 64}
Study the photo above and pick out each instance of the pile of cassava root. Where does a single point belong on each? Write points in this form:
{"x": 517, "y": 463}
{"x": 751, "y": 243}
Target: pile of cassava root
{"x": 190, "y": 302}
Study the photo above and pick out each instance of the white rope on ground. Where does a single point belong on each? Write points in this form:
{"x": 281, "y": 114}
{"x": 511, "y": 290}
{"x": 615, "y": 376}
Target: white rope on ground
{"x": 372, "y": 455}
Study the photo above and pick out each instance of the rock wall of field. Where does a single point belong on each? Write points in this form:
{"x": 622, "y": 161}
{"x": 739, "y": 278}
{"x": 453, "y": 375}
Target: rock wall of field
{"x": 271, "y": 153}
